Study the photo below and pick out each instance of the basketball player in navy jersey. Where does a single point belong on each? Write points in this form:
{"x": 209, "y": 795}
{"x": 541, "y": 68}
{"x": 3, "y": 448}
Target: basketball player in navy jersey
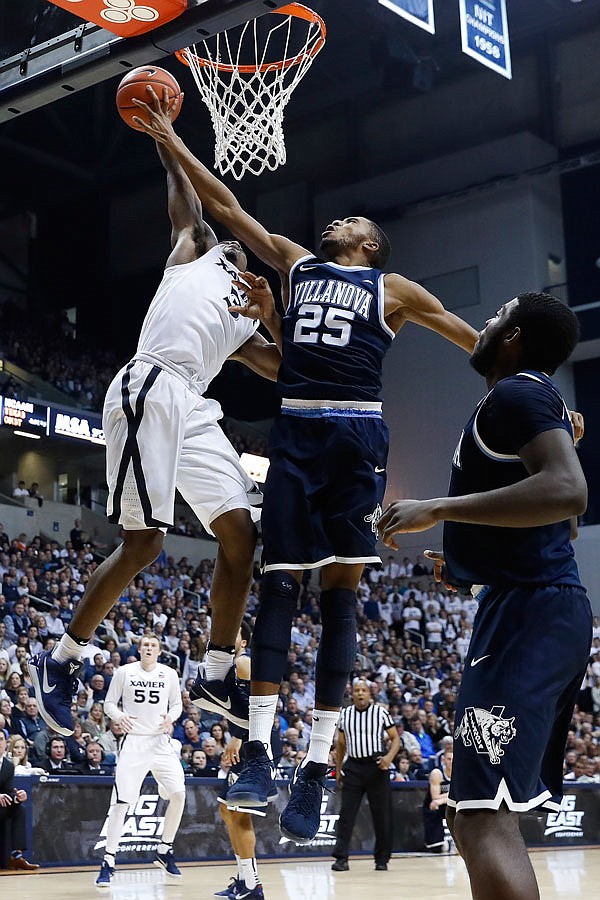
{"x": 516, "y": 482}
{"x": 328, "y": 456}
{"x": 162, "y": 434}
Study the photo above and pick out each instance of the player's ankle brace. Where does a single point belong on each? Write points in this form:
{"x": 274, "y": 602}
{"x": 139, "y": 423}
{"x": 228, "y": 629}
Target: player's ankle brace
{"x": 271, "y": 638}
{"x": 337, "y": 650}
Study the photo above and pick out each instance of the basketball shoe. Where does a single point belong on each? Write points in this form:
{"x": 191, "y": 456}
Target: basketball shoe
{"x": 230, "y": 890}
{"x": 255, "y": 893}
{"x": 55, "y": 685}
{"x": 255, "y": 786}
{"x": 225, "y": 697}
{"x": 166, "y": 861}
{"x": 104, "y": 876}
{"x": 300, "y": 820}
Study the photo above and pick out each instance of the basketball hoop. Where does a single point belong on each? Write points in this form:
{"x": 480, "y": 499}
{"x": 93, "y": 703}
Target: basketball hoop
{"x": 246, "y": 77}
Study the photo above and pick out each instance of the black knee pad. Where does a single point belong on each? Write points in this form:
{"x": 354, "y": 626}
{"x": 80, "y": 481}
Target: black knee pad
{"x": 271, "y": 638}
{"x": 337, "y": 650}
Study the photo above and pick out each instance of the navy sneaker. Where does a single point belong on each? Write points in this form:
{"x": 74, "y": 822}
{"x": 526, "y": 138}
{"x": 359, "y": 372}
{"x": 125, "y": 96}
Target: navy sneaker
{"x": 166, "y": 861}
{"x": 55, "y": 685}
{"x": 301, "y": 818}
{"x": 231, "y": 888}
{"x": 229, "y": 891}
{"x": 255, "y": 893}
{"x": 255, "y": 786}
{"x": 225, "y": 697}
{"x": 104, "y": 876}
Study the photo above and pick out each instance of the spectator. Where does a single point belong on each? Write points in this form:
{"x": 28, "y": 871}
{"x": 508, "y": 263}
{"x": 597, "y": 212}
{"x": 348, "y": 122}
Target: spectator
{"x": 57, "y": 762}
{"x": 20, "y": 490}
{"x": 17, "y": 752}
{"x": 54, "y": 623}
{"x": 94, "y": 763}
{"x": 34, "y": 492}
{"x": 209, "y": 745}
{"x": 76, "y": 535}
{"x": 199, "y": 767}
{"x": 111, "y": 739}
{"x": 95, "y": 724}
{"x": 12, "y": 813}
{"x": 220, "y": 737}
{"x": 77, "y": 742}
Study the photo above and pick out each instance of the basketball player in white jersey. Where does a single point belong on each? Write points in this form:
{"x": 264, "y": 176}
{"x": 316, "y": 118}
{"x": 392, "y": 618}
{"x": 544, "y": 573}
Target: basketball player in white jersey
{"x": 150, "y": 702}
{"x": 162, "y": 434}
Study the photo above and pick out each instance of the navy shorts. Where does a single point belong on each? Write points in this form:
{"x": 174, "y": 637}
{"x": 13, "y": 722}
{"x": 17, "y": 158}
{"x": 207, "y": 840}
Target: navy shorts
{"x": 525, "y": 665}
{"x": 324, "y": 490}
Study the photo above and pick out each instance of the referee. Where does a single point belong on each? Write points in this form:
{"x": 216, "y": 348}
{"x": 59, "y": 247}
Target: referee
{"x": 362, "y": 767}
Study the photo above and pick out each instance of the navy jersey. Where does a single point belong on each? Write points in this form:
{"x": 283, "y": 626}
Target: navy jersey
{"x": 334, "y": 333}
{"x": 515, "y": 411}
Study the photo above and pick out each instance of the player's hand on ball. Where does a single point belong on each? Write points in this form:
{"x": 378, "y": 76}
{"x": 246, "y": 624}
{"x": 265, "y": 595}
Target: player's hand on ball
{"x": 159, "y": 115}
{"x": 127, "y": 723}
{"x": 261, "y": 303}
{"x": 404, "y": 516}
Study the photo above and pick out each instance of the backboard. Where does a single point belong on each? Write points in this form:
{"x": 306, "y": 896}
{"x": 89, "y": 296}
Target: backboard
{"x": 34, "y": 76}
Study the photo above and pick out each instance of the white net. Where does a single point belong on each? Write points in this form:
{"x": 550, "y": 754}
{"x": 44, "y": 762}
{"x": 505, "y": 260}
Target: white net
{"x": 246, "y": 77}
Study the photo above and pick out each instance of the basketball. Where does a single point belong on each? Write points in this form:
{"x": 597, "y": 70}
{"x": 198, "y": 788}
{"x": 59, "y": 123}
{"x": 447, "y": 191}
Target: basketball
{"x": 133, "y": 87}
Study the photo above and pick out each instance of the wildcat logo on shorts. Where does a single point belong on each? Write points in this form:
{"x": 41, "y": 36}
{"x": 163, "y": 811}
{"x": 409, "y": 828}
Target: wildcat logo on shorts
{"x": 374, "y": 518}
{"x": 486, "y": 731}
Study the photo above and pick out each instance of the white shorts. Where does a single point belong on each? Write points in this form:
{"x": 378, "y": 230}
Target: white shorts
{"x": 143, "y": 753}
{"x": 162, "y": 435}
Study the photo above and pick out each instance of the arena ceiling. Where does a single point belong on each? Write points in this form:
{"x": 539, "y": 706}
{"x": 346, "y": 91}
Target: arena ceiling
{"x": 79, "y": 144}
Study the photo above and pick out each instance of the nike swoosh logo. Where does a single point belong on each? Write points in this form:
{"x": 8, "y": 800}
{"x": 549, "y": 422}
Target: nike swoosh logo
{"x": 225, "y": 705}
{"x": 379, "y": 470}
{"x": 475, "y": 662}
{"x": 45, "y": 683}
{"x": 305, "y": 269}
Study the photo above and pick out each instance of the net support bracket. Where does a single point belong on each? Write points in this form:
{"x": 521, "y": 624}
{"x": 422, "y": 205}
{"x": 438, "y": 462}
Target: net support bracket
{"x": 24, "y": 61}
{"x": 78, "y": 43}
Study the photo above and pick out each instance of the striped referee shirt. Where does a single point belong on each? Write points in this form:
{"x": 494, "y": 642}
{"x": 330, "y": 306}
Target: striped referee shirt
{"x": 364, "y": 730}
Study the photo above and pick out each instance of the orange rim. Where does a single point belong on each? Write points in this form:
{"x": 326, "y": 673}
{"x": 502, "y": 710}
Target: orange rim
{"x": 292, "y": 9}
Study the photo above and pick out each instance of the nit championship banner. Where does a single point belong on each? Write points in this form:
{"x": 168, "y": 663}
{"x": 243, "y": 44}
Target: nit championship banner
{"x": 484, "y": 34}
{"x": 418, "y": 12}
{"x": 80, "y": 805}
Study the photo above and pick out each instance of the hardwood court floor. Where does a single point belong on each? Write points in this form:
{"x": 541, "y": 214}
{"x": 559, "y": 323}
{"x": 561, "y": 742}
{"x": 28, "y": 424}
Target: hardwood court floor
{"x": 569, "y": 873}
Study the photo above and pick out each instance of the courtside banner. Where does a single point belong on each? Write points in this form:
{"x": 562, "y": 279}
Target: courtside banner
{"x": 419, "y": 12}
{"x": 484, "y": 33}
{"x": 80, "y": 804}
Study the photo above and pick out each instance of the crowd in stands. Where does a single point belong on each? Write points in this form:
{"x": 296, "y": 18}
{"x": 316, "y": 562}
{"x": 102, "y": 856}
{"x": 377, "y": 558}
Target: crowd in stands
{"x": 82, "y": 373}
{"x": 413, "y": 640}
{"x": 56, "y": 357}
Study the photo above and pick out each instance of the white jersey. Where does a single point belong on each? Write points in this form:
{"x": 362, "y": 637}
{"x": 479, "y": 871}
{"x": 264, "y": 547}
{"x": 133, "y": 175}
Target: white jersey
{"x": 149, "y": 696}
{"x": 188, "y": 327}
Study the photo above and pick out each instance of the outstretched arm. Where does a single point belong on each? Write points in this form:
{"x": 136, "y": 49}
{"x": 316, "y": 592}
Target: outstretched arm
{"x": 407, "y": 301}
{"x": 554, "y": 491}
{"x": 260, "y": 356}
{"x": 219, "y": 201}
{"x": 190, "y": 234}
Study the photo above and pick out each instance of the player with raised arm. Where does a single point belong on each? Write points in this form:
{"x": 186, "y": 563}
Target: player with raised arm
{"x": 145, "y": 699}
{"x": 328, "y": 455}
{"x": 516, "y": 482}
{"x": 163, "y": 434}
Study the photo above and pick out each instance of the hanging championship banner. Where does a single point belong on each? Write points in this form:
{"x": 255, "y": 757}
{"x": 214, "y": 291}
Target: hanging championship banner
{"x": 484, "y": 33}
{"x": 419, "y": 12}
